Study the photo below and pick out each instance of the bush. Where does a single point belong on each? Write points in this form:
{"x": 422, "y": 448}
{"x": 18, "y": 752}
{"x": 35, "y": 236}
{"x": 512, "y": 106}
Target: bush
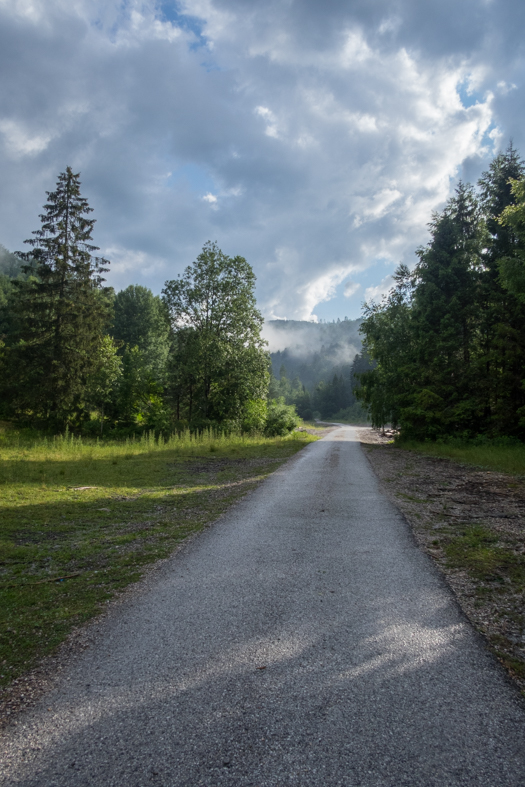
{"x": 281, "y": 418}
{"x": 255, "y": 415}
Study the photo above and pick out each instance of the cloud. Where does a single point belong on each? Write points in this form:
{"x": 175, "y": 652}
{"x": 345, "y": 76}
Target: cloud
{"x": 19, "y": 142}
{"x": 351, "y": 287}
{"x": 377, "y": 292}
{"x": 313, "y": 139}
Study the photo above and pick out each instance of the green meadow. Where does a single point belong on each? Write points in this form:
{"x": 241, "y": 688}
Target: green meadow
{"x": 80, "y": 520}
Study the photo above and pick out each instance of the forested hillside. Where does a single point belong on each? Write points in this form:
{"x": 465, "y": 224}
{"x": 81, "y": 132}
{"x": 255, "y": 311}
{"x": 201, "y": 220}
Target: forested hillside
{"x": 312, "y": 351}
{"x": 449, "y": 339}
{"x": 314, "y": 366}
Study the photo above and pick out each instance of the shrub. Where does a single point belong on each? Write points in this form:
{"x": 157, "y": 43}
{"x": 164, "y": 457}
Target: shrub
{"x": 281, "y": 418}
{"x": 255, "y": 415}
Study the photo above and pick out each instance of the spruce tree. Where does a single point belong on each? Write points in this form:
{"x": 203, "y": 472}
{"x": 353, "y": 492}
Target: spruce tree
{"x": 503, "y": 317}
{"x": 445, "y": 312}
{"x": 61, "y": 311}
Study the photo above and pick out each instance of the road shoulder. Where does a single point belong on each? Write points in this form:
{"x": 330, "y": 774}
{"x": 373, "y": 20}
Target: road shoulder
{"x": 470, "y": 522}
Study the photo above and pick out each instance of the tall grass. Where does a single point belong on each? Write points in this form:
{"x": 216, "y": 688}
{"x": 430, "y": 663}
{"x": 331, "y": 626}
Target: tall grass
{"x": 68, "y": 447}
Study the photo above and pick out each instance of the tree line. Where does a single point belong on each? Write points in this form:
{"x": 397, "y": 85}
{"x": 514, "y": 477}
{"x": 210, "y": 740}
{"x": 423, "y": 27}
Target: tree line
{"x": 75, "y": 354}
{"x": 448, "y": 340}
{"x": 333, "y": 397}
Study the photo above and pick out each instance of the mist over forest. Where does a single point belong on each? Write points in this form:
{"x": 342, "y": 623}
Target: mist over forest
{"x": 314, "y": 367}
{"x": 312, "y": 351}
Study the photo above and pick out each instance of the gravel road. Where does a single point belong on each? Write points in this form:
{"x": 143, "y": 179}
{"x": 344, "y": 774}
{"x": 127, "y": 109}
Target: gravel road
{"x": 303, "y": 640}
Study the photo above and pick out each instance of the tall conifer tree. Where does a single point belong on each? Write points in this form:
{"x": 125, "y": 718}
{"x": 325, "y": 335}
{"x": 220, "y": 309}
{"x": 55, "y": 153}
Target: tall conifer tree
{"x": 445, "y": 310}
{"x": 502, "y": 316}
{"x": 61, "y": 310}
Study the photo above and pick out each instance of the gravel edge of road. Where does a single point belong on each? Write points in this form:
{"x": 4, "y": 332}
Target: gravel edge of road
{"x": 462, "y": 585}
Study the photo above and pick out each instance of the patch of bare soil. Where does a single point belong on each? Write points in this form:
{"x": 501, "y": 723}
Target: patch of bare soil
{"x": 472, "y": 524}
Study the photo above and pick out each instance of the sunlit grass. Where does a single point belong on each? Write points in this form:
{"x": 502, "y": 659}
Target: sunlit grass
{"x": 80, "y": 520}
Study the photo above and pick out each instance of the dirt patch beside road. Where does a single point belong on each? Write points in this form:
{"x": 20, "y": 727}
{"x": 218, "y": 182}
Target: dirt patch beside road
{"x": 472, "y": 524}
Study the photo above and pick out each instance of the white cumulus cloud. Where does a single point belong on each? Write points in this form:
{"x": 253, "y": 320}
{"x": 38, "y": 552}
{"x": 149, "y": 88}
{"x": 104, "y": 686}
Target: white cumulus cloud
{"x": 320, "y": 137}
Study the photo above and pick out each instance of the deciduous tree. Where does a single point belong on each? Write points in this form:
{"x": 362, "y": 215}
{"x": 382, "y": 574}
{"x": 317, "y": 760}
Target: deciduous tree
{"x": 219, "y": 360}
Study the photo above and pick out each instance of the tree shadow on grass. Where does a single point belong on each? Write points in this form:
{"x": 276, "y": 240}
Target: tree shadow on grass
{"x": 59, "y": 562}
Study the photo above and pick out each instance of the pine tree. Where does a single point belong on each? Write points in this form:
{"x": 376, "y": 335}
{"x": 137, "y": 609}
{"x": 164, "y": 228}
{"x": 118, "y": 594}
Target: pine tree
{"x": 61, "y": 311}
{"x": 445, "y": 312}
{"x": 503, "y": 317}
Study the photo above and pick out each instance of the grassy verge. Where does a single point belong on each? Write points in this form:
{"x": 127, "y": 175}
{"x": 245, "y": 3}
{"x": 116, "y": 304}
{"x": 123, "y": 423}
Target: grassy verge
{"x": 470, "y": 521}
{"x": 502, "y": 458}
{"x": 79, "y": 521}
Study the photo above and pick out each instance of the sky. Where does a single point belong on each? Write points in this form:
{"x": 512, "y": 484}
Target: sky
{"x": 312, "y": 138}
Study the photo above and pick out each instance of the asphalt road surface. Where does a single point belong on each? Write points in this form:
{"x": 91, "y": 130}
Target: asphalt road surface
{"x": 302, "y": 640}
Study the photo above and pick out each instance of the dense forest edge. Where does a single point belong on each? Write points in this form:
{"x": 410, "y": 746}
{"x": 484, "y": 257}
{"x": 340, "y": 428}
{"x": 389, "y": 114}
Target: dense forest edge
{"x": 448, "y": 340}
{"x": 440, "y": 358}
{"x": 76, "y": 355}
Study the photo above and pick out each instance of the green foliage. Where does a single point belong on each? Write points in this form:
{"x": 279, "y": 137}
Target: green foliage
{"x": 293, "y": 392}
{"x": 218, "y": 362}
{"x": 449, "y": 339}
{"x": 104, "y": 378}
{"x": 141, "y": 320}
{"x": 387, "y": 328}
{"x": 502, "y": 316}
{"x": 10, "y": 270}
{"x": 60, "y": 314}
{"x": 10, "y": 264}
{"x": 329, "y": 398}
{"x": 281, "y": 418}
{"x": 255, "y": 415}
{"x": 512, "y": 267}
{"x": 139, "y": 397}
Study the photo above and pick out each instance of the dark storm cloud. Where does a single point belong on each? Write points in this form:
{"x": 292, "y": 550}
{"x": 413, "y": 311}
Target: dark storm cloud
{"x": 313, "y": 138}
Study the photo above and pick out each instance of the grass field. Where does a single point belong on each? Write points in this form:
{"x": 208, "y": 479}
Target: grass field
{"x": 79, "y": 521}
{"x": 502, "y": 458}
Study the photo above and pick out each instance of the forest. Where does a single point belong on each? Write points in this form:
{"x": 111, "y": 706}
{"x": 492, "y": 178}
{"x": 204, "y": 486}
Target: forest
{"x": 442, "y": 354}
{"x": 334, "y": 394}
{"x": 315, "y": 371}
{"x": 448, "y": 340}
{"x": 76, "y": 355}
